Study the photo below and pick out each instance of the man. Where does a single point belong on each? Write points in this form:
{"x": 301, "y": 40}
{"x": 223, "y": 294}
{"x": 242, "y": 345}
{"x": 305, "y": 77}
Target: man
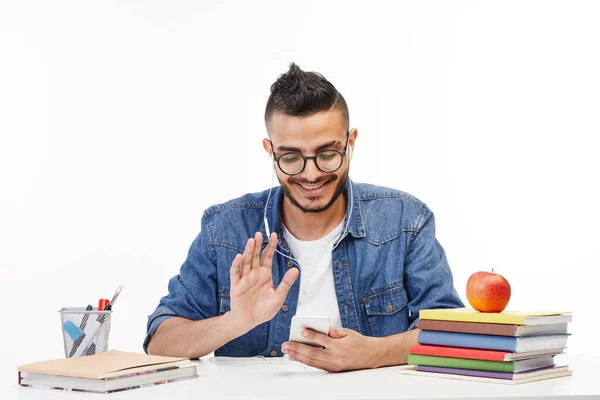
{"x": 367, "y": 256}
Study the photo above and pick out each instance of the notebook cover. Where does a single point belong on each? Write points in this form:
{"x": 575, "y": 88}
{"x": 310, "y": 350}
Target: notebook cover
{"x": 100, "y": 365}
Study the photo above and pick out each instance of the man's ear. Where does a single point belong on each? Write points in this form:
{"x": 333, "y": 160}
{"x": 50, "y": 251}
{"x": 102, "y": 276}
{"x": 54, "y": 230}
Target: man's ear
{"x": 267, "y": 147}
{"x": 352, "y": 141}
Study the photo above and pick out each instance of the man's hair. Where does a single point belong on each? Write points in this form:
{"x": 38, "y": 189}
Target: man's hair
{"x": 298, "y": 93}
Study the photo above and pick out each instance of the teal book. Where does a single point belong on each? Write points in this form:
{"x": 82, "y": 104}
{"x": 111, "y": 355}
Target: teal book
{"x": 482, "y": 365}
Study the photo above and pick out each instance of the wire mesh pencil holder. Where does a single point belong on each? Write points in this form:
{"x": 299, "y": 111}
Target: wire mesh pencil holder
{"x": 85, "y": 332}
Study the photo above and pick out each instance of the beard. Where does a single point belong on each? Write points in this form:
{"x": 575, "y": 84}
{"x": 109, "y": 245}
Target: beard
{"x": 339, "y": 189}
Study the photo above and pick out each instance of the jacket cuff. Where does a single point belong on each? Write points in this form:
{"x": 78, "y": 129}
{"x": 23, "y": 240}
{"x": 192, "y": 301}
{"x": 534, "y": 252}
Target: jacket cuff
{"x": 160, "y": 315}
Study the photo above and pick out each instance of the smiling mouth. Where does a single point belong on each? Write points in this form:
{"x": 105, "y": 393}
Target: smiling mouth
{"x": 313, "y": 190}
{"x": 312, "y": 187}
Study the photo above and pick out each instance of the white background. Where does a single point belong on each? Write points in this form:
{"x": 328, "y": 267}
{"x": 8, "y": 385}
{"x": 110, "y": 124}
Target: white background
{"x": 120, "y": 122}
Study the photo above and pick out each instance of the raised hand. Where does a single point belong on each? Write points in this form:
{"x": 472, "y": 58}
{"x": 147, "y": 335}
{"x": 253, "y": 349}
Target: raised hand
{"x": 254, "y": 300}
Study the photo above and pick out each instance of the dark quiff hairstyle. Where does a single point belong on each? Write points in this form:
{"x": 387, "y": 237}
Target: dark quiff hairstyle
{"x": 299, "y": 94}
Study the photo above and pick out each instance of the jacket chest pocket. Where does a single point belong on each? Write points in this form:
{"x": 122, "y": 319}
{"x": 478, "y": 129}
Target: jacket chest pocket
{"x": 250, "y": 344}
{"x": 386, "y": 310}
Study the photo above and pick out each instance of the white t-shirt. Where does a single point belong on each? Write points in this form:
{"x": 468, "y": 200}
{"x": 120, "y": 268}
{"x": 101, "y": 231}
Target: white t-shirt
{"x": 317, "y": 291}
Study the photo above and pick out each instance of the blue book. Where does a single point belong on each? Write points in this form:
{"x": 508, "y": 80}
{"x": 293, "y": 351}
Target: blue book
{"x": 493, "y": 342}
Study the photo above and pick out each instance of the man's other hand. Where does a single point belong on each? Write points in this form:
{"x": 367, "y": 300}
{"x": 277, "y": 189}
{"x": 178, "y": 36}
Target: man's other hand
{"x": 343, "y": 350}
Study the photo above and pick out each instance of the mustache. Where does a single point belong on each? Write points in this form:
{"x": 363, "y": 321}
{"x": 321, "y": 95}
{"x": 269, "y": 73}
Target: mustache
{"x": 322, "y": 179}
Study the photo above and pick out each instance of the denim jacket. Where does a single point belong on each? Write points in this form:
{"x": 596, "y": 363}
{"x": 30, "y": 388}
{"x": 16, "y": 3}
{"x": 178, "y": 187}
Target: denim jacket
{"x": 387, "y": 267}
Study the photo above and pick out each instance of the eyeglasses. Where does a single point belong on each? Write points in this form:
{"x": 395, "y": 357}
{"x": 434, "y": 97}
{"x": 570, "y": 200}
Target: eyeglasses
{"x": 327, "y": 161}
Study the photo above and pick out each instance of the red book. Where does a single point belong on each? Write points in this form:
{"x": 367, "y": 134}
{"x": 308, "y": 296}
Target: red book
{"x": 477, "y": 354}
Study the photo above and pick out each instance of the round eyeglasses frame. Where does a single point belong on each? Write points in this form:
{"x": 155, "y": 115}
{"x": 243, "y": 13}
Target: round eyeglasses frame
{"x": 314, "y": 158}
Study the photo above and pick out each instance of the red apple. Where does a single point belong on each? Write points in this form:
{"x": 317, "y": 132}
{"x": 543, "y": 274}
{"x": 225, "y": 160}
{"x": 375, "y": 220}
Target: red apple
{"x": 488, "y": 292}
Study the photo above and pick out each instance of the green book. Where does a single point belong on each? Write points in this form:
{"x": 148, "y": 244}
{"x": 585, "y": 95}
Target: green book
{"x": 482, "y": 365}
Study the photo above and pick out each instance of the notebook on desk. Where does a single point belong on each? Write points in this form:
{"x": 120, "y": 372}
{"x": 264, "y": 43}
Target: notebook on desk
{"x": 106, "y": 372}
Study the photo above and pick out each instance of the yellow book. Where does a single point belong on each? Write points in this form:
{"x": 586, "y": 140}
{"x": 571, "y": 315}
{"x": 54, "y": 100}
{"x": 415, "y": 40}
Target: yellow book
{"x": 504, "y": 317}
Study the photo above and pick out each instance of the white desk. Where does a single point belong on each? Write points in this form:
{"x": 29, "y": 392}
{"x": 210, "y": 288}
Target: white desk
{"x": 295, "y": 381}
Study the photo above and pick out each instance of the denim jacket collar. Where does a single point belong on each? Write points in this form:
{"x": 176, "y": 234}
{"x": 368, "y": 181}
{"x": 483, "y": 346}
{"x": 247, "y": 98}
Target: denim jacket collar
{"x": 355, "y": 226}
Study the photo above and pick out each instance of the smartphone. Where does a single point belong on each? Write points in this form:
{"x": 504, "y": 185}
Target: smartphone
{"x": 315, "y": 323}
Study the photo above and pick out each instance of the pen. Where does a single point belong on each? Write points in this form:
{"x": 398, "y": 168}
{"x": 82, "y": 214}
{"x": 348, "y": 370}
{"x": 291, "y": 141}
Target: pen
{"x": 102, "y": 303}
{"x": 99, "y": 321}
{"x": 109, "y": 306}
{"x": 85, "y": 317}
{"x": 84, "y": 320}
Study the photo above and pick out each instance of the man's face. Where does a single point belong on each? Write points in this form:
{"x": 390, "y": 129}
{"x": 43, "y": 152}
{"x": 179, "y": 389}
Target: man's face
{"x": 312, "y": 190}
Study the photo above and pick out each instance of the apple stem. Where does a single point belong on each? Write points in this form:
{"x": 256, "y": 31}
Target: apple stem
{"x": 492, "y": 270}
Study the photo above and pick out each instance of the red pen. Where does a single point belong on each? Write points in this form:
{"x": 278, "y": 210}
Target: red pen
{"x": 102, "y": 303}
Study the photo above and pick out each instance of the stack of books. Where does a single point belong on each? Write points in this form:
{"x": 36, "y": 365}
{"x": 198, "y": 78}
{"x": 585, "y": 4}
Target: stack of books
{"x": 508, "y": 347}
{"x": 107, "y": 372}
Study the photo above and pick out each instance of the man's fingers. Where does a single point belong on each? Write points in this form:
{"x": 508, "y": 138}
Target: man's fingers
{"x": 247, "y": 257}
{"x": 267, "y": 256}
{"x": 286, "y": 283}
{"x": 312, "y": 352}
{"x": 234, "y": 271}
{"x": 302, "y": 357}
{"x": 334, "y": 333}
{"x": 256, "y": 253}
{"x": 320, "y": 338}
{"x": 343, "y": 332}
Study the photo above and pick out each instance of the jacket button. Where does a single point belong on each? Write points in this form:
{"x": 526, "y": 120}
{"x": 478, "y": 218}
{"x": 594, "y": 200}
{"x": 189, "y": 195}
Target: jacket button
{"x": 290, "y": 264}
{"x": 273, "y": 353}
{"x": 284, "y": 308}
{"x": 389, "y": 307}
